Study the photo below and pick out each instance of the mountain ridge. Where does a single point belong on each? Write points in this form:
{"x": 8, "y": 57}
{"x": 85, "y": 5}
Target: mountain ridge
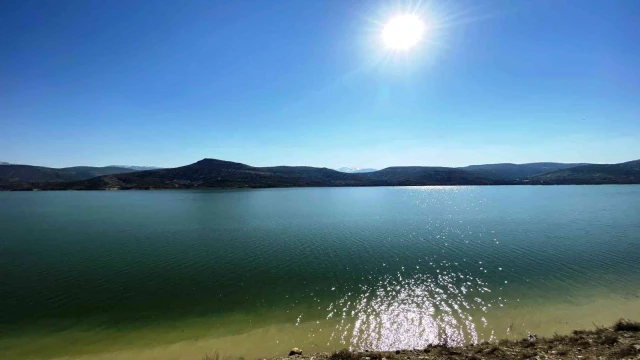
{"x": 30, "y": 173}
{"x": 510, "y": 171}
{"x": 136, "y": 167}
{"x": 622, "y": 173}
{"x": 215, "y": 173}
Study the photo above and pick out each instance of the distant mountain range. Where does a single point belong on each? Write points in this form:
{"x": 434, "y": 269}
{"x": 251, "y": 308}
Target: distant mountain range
{"x": 624, "y": 173}
{"x": 132, "y": 167}
{"x": 139, "y": 168}
{"x": 352, "y": 170}
{"x": 212, "y": 173}
{"x": 507, "y": 171}
{"x": 28, "y": 173}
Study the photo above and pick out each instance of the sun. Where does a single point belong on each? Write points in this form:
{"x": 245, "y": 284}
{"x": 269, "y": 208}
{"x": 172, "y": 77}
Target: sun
{"x": 403, "y": 32}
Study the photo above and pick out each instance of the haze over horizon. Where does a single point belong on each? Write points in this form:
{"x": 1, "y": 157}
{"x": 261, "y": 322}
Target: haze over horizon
{"x": 311, "y": 83}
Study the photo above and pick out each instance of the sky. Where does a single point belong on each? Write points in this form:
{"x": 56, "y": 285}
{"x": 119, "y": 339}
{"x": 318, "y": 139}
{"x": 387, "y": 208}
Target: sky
{"x": 167, "y": 83}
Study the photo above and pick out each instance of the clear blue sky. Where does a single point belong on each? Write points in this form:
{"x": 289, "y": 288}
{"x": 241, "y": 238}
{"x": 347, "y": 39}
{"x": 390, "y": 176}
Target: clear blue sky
{"x": 167, "y": 83}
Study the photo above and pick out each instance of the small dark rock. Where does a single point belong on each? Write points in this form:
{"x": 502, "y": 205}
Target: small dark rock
{"x": 295, "y": 351}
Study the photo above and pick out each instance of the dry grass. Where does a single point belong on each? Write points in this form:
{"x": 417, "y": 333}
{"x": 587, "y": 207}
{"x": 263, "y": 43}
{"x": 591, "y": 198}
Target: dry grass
{"x": 625, "y": 352}
{"x": 608, "y": 340}
{"x": 346, "y": 354}
{"x": 211, "y": 356}
{"x": 528, "y": 355}
{"x": 215, "y": 355}
{"x": 626, "y": 325}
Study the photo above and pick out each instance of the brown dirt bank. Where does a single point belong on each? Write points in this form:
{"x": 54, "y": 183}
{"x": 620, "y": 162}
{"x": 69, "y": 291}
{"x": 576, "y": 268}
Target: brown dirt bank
{"x": 620, "y": 341}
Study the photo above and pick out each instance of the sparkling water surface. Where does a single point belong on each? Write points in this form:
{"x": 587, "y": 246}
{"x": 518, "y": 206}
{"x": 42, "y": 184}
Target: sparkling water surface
{"x": 137, "y": 274}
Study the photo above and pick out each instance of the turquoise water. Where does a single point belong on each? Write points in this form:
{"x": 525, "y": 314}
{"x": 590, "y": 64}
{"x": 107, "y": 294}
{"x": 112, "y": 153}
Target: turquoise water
{"x": 329, "y": 267}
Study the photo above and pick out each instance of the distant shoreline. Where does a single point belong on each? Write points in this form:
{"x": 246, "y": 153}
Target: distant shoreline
{"x": 307, "y": 187}
{"x": 220, "y": 174}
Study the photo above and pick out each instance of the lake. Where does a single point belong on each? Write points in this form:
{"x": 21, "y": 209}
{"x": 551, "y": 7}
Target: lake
{"x": 253, "y": 273}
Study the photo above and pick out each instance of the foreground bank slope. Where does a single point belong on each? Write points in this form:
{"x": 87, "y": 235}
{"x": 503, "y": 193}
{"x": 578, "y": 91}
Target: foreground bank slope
{"x": 620, "y": 341}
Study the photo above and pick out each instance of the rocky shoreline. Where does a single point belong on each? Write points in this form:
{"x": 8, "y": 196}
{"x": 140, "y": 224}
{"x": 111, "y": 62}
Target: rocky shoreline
{"x": 620, "y": 341}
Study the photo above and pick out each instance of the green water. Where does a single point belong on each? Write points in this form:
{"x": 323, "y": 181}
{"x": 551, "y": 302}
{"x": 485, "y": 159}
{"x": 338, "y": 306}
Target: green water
{"x": 90, "y": 273}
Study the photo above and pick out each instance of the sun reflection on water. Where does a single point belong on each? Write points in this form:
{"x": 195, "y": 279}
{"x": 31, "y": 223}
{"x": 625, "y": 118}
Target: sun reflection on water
{"x": 405, "y": 311}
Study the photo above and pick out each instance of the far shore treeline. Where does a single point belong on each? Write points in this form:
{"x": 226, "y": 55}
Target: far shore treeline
{"x": 212, "y": 173}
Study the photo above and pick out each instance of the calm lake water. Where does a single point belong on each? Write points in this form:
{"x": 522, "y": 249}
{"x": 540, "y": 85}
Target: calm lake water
{"x": 174, "y": 274}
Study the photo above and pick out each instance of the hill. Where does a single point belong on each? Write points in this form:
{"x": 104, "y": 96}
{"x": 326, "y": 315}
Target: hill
{"x": 507, "y": 171}
{"x": 422, "y": 175}
{"x": 28, "y": 173}
{"x": 212, "y": 173}
{"x": 623, "y": 173}
{"x": 137, "y": 168}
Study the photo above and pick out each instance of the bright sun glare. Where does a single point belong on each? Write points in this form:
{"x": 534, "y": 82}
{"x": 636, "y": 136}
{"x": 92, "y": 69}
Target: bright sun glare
{"x": 403, "y": 32}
